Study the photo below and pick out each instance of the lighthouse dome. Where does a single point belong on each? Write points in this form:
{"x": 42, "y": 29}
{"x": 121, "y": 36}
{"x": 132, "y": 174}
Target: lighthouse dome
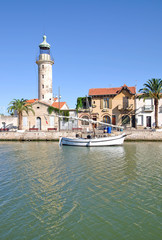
{"x": 44, "y": 44}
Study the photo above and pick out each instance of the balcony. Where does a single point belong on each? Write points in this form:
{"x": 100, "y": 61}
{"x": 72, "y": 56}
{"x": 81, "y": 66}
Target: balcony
{"x": 128, "y": 107}
{"x": 84, "y": 109}
{"x": 105, "y": 110}
{"x": 160, "y": 109}
{"x": 44, "y": 57}
{"x": 120, "y": 107}
{"x": 148, "y": 108}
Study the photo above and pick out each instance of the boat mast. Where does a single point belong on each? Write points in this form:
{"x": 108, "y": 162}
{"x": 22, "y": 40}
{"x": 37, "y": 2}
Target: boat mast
{"x": 91, "y": 121}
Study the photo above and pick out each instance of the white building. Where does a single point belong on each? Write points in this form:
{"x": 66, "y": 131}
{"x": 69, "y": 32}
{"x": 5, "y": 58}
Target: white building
{"x": 145, "y": 113}
{"x": 8, "y": 123}
{"x": 71, "y": 124}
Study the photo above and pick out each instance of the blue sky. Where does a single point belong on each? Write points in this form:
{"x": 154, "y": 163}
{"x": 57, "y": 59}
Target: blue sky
{"x": 94, "y": 43}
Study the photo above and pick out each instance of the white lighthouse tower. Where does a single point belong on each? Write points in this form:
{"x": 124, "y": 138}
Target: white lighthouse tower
{"x": 45, "y": 63}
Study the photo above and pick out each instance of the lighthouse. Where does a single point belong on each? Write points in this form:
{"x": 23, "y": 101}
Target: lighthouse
{"x": 45, "y": 63}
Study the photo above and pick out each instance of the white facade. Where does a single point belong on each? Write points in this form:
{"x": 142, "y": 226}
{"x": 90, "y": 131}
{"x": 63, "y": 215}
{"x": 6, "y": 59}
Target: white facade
{"x": 145, "y": 113}
{"x": 65, "y": 107}
{"x": 71, "y": 124}
{"x": 8, "y": 122}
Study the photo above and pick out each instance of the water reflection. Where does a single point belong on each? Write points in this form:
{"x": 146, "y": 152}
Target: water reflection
{"x": 48, "y": 192}
{"x": 130, "y": 160}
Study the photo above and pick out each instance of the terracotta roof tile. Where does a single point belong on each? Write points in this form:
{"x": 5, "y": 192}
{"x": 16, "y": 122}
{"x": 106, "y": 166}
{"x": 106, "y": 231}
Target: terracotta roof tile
{"x": 32, "y": 100}
{"x": 56, "y": 104}
{"x": 110, "y": 91}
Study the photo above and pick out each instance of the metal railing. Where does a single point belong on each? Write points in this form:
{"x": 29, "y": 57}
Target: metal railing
{"x": 125, "y": 107}
{"x": 48, "y": 58}
{"x": 148, "y": 108}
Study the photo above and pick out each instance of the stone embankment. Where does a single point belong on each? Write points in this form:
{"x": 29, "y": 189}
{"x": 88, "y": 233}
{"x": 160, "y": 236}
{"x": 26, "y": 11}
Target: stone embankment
{"x": 143, "y": 135}
{"x": 34, "y": 136}
{"x": 132, "y": 135}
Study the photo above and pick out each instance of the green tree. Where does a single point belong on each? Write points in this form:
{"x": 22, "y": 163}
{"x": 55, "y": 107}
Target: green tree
{"x": 152, "y": 89}
{"x": 19, "y": 106}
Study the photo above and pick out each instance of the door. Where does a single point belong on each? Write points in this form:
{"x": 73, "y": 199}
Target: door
{"x": 39, "y": 123}
{"x": 148, "y": 121}
{"x": 133, "y": 121}
{"x": 113, "y": 119}
{"x": 95, "y": 119}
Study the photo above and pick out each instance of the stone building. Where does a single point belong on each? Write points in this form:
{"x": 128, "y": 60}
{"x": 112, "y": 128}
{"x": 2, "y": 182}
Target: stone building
{"x": 111, "y": 105}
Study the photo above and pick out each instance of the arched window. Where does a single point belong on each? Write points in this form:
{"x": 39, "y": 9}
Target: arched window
{"x": 85, "y": 122}
{"x": 125, "y": 120}
{"x": 106, "y": 119}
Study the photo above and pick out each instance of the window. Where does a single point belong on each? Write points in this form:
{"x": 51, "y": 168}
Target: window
{"x": 125, "y": 120}
{"x": 125, "y": 102}
{"x": 43, "y": 96}
{"x": 85, "y": 122}
{"x": 93, "y": 102}
{"x": 42, "y": 66}
{"x": 42, "y": 76}
{"x": 148, "y": 104}
{"x": 106, "y": 119}
{"x": 42, "y": 85}
{"x": 24, "y": 121}
{"x": 148, "y": 101}
{"x": 52, "y": 118}
{"x": 106, "y": 103}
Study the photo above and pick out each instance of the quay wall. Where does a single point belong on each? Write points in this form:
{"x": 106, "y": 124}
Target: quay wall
{"x": 54, "y": 136}
{"x": 143, "y": 135}
{"x": 34, "y": 136}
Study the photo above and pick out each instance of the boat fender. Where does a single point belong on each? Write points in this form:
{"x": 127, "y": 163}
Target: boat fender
{"x": 60, "y": 141}
{"x": 89, "y": 137}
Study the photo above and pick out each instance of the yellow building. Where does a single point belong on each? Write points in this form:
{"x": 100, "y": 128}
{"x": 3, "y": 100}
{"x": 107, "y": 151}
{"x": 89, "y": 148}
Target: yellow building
{"x": 111, "y": 105}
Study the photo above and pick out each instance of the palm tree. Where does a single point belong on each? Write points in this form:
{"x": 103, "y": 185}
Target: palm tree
{"x": 19, "y": 106}
{"x": 152, "y": 89}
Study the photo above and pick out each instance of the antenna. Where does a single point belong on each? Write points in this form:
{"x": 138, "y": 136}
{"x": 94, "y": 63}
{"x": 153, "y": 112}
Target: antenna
{"x": 136, "y": 85}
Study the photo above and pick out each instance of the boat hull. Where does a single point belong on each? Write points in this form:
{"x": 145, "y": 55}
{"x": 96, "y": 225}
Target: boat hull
{"x": 96, "y": 142}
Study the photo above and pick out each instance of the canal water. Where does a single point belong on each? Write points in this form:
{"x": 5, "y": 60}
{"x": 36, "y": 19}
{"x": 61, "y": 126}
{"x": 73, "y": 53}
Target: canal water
{"x": 48, "y": 192}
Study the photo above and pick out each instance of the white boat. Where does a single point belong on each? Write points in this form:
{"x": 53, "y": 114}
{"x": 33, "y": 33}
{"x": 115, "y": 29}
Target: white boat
{"x": 94, "y": 142}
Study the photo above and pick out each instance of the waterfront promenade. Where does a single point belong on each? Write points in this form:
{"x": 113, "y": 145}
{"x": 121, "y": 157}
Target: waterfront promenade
{"x": 132, "y": 135}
